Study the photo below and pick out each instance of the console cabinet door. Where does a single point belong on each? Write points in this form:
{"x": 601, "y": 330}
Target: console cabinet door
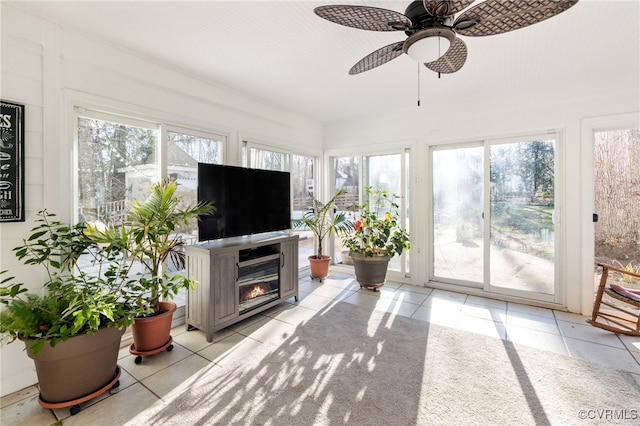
{"x": 289, "y": 268}
{"x": 225, "y": 291}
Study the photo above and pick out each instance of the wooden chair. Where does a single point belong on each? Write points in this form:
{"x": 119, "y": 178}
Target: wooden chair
{"x": 616, "y": 308}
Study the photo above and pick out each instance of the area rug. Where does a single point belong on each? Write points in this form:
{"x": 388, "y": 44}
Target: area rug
{"x": 352, "y": 366}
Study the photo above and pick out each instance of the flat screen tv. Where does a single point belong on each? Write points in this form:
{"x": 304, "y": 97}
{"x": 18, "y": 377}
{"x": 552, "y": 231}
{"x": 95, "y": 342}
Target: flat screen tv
{"x": 247, "y": 201}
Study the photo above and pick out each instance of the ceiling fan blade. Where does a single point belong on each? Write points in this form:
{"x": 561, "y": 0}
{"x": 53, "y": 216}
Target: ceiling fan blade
{"x": 364, "y": 17}
{"x": 498, "y": 16}
{"x": 377, "y": 58}
{"x": 445, "y": 7}
{"x": 451, "y": 61}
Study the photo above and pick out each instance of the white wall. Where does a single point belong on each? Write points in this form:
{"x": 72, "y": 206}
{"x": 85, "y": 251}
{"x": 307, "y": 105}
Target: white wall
{"x": 50, "y": 70}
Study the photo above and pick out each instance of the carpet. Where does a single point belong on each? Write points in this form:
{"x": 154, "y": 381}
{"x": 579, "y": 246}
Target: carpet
{"x": 353, "y": 366}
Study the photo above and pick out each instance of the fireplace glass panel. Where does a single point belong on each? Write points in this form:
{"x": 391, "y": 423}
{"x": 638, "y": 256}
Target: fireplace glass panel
{"x": 258, "y": 284}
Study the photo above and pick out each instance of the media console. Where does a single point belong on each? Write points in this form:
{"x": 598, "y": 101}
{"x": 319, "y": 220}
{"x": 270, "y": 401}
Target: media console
{"x": 238, "y": 278}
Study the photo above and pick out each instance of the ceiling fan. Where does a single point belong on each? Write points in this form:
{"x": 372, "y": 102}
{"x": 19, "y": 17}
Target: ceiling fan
{"x": 432, "y": 28}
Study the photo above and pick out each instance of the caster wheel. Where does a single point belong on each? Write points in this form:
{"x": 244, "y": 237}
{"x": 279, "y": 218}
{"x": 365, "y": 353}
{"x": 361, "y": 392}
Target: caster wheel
{"x": 74, "y": 410}
{"x": 138, "y": 359}
{"x": 169, "y": 348}
{"x": 115, "y": 388}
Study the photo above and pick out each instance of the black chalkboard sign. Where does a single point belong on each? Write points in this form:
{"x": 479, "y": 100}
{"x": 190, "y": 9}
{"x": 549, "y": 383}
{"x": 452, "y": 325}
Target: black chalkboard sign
{"x": 11, "y": 162}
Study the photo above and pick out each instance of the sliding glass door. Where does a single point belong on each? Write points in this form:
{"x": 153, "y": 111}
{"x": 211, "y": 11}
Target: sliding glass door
{"x": 522, "y": 206}
{"x": 494, "y": 221}
{"x": 458, "y": 232}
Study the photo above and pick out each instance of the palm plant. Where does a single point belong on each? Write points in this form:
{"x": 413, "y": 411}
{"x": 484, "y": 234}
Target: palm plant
{"x": 322, "y": 223}
{"x": 149, "y": 238}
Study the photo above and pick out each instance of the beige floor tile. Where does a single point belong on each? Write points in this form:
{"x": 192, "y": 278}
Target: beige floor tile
{"x": 367, "y": 299}
{"x": 533, "y": 322}
{"x": 477, "y": 325}
{"x": 416, "y": 289}
{"x": 443, "y": 302}
{"x": 483, "y": 301}
{"x": 248, "y": 322}
{"x": 315, "y": 302}
{"x": 451, "y": 295}
{"x": 437, "y": 315}
{"x": 396, "y": 307}
{"x": 530, "y": 310}
{"x": 332, "y": 292}
{"x": 344, "y": 282}
{"x": 27, "y": 412}
{"x": 230, "y": 349}
{"x": 295, "y": 315}
{"x": 631, "y": 342}
{"x": 551, "y": 342}
{"x": 570, "y": 317}
{"x": 152, "y": 364}
{"x": 404, "y": 295}
{"x": 185, "y": 371}
{"x": 484, "y": 312}
{"x": 620, "y": 359}
{"x": 268, "y": 329}
{"x": 19, "y": 396}
{"x": 196, "y": 340}
{"x": 590, "y": 334}
{"x": 115, "y": 410}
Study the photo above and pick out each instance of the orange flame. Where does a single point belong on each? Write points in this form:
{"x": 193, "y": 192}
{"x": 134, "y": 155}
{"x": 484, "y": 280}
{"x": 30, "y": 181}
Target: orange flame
{"x": 256, "y": 291}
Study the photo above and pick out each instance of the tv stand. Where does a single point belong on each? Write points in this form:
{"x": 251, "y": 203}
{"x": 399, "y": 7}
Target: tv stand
{"x": 239, "y": 277}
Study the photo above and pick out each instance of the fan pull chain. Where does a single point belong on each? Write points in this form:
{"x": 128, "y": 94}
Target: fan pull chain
{"x": 418, "y": 83}
{"x": 439, "y": 52}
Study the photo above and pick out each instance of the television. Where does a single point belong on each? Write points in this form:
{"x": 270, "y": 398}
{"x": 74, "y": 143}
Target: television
{"x": 247, "y": 201}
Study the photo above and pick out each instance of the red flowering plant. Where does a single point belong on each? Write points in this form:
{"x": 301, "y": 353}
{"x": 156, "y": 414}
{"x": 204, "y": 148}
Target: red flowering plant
{"x": 377, "y": 230}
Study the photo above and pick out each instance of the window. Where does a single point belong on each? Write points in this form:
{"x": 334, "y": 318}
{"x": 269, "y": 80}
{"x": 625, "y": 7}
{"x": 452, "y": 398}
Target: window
{"x": 381, "y": 171}
{"x": 119, "y": 159}
{"x": 303, "y": 186}
{"x": 116, "y": 163}
{"x": 185, "y": 149}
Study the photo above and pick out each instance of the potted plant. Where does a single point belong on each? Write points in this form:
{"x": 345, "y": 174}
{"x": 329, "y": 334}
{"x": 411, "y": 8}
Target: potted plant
{"x": 323, "y": 220}
{"x": 77, "y": 323}
{"x": 377, "y": 237}
{"x": 150, "y": 240}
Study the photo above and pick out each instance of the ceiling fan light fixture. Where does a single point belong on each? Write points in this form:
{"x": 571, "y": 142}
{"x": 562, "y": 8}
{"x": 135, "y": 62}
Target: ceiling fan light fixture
{"x": 429, "y": 44}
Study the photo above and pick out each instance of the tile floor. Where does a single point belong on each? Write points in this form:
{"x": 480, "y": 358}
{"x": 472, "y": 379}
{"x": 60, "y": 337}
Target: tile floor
{"x": 141, "y": 385}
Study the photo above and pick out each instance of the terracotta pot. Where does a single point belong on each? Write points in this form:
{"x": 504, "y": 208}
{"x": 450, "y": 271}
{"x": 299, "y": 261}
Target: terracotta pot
{"x": 319, "y": 267}
{"x": 371, "y": 272}
{"x": 78, "y": 367}
{"x": 151, "y": 333}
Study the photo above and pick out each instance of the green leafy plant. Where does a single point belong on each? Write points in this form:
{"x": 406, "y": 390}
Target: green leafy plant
{"x": 75, "y": 300}
{"x": 149, "y": 238}
{"x": 321, "y": 221}
{"x": 377, "y": 230}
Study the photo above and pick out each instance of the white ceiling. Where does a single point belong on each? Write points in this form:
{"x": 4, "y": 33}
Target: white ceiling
{"x": 282, "y": 53}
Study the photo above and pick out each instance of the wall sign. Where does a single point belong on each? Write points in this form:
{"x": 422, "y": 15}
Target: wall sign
{"x": 11, "y": 162}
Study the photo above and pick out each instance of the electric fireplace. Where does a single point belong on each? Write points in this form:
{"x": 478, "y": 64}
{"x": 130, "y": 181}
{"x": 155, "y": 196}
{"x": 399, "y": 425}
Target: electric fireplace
{"x": 258, "y": 282}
